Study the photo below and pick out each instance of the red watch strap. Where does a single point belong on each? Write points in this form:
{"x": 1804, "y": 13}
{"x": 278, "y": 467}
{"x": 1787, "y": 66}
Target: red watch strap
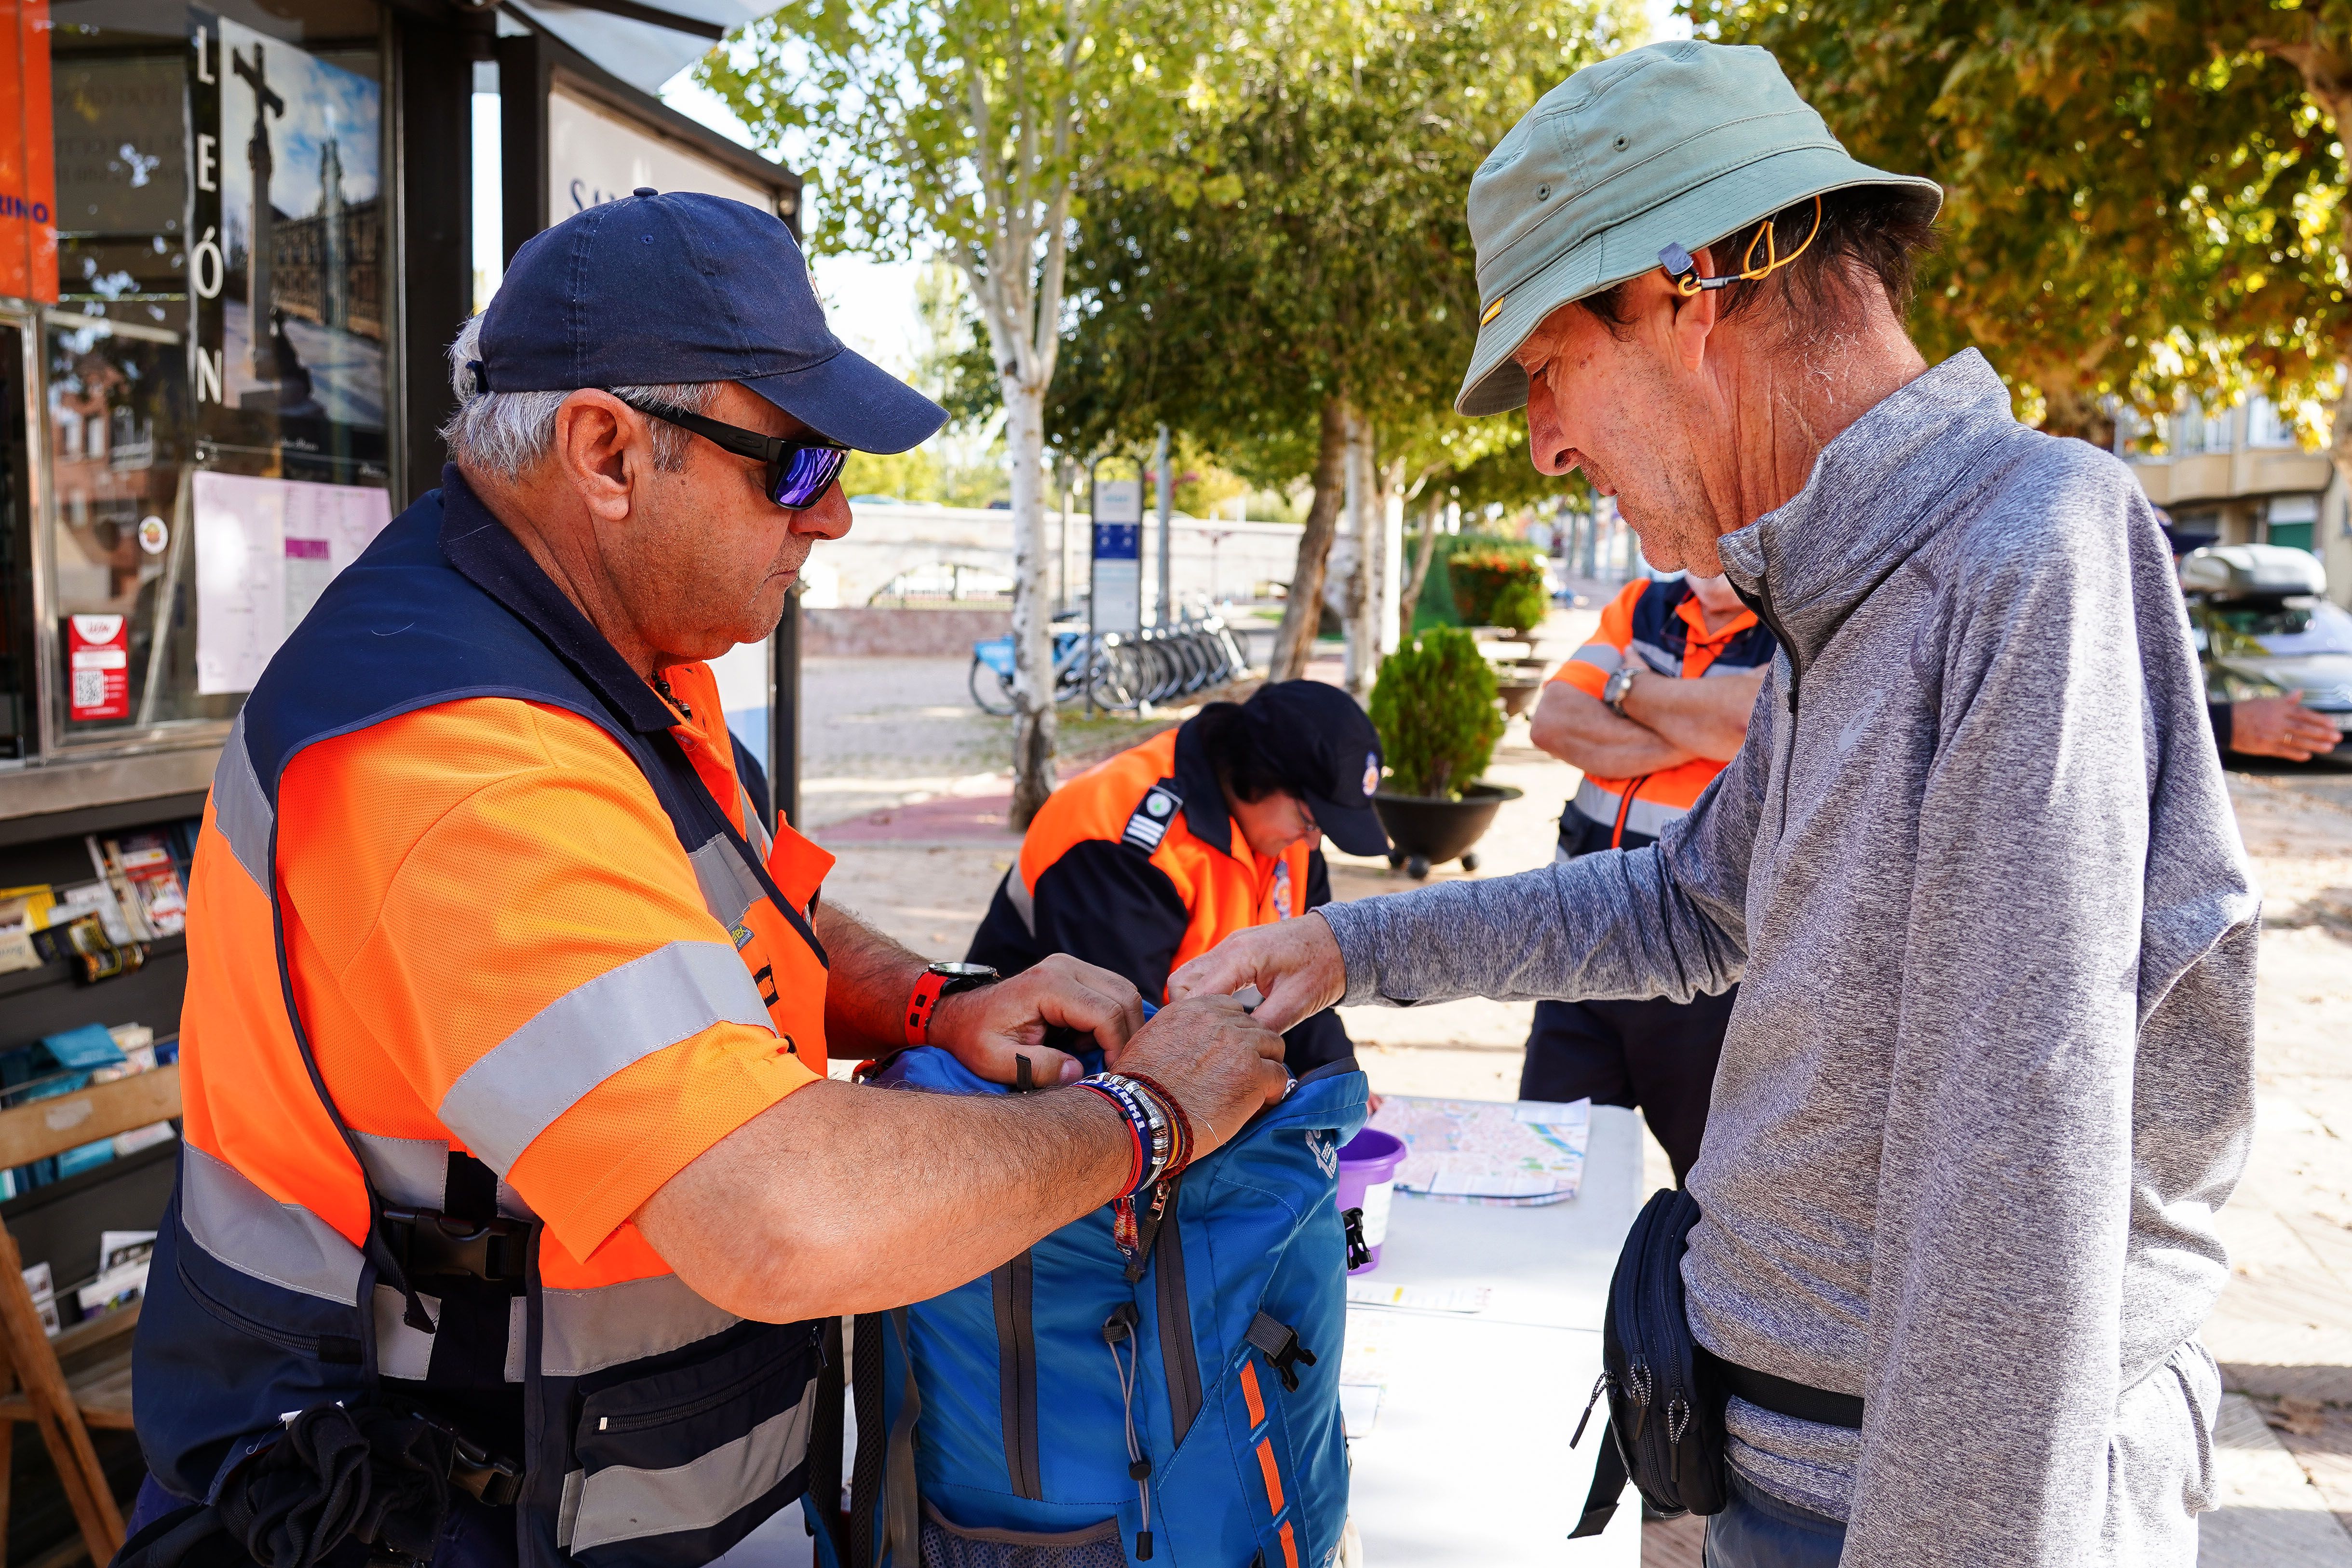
{"x": 920, "y": 1006}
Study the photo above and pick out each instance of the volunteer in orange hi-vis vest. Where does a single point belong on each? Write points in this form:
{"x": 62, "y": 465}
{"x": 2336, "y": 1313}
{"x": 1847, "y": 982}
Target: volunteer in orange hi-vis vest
{"x": 513, "y": 1175}
{"x": 1651, "y": 708}
{"x": 1153, "y": 857}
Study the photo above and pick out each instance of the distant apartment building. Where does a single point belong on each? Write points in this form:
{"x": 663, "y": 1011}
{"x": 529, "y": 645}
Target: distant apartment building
{"x": 2237, "y": 475}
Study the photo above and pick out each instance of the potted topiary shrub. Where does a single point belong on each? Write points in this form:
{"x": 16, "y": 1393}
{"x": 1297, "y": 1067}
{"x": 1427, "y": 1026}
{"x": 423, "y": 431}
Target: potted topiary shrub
{"x": 1433, "y": 705}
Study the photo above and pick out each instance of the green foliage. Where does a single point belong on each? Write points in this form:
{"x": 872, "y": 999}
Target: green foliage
{"x": 1498, "y": 587}
{"x": 1433, "y": 705}
{"x": 2145, "y": 201}
{"x": 1321, "y": 251}
{"x": 1439, "y": 595}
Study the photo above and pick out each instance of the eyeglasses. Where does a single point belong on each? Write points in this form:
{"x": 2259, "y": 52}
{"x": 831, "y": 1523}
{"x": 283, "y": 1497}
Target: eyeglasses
{"x": 799, "y": 471}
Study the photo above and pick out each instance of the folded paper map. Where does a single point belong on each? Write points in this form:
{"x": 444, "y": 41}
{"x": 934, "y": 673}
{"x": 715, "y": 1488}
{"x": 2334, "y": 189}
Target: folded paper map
{"x": 1506, "y": 1153}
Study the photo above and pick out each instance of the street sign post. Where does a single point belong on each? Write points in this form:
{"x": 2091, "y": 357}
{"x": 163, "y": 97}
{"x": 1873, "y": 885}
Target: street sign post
{"x": 1115, "y": 575}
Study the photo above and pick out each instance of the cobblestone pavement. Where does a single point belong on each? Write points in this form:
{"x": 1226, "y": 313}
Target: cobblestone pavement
{"x": 2282, "y": 1331}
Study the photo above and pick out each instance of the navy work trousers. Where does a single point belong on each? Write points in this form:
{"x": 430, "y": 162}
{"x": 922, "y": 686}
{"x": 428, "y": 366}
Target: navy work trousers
{"x": 1659, "y": 1056}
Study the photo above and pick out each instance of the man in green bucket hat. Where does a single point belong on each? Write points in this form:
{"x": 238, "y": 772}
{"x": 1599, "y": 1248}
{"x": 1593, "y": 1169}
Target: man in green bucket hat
{"x": 1989, "y": 1073}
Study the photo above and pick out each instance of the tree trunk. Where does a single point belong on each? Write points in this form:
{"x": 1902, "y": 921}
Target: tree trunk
{"x": 1302, "y": 613}
{"x": 1359, "y": 609}
{"x": 1421, "y": 560}
{"x": 1035, "y": 724}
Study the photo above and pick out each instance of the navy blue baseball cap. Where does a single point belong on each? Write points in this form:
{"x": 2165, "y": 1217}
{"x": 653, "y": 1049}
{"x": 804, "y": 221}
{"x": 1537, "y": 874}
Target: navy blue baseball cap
{"x": 1325, "y": 749}
{"x": 656, "y": 288}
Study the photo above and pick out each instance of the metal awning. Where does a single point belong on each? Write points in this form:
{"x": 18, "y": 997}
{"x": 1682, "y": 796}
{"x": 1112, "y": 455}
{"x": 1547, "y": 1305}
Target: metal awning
{"x": 642, "y": 42}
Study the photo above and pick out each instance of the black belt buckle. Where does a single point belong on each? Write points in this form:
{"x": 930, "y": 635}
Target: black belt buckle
{"x": 429, "y": 1242}
{"x": 474, "y": 1470}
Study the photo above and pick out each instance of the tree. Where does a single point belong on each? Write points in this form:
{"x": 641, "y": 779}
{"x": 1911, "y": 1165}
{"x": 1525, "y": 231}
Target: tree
{"x": 1315, "y": 276}
{"x": 966, "y": 130}
{"x": 2144, "y": 201}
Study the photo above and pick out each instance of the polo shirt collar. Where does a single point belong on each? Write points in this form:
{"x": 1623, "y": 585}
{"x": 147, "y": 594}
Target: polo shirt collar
{"x": 494, "y": 560}
{"x": 1204, "y": 798}
{"x": 1694, "y": 616}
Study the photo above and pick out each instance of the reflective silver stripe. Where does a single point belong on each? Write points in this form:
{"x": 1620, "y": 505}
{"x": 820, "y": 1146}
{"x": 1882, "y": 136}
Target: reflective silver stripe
{"x": 1719, "y": 667}
{"x": 533, "y": 1075}
{"x": 1656, "y": 658}
{"x": 623, "y": 1504}
{"x": 755, "y": 832}
{"x": 403, "y": 1352}
{"x": 413, "y": 1173}
{"x": 729, "y": 889}
{"x": 517, "y": 1338}
{"x": 588, "y": 1330}
{"x": 1023, "y": 902}
{"x": 568, "y": 1509}
{"x": 510, "y": 1203}
{"x": 253, "y": 1233}
{"x": 400, "y": 1350}
{"x": 1647, "y": 817}
{"x": 1601, "y": 656}
{"x": 240, "y": 810}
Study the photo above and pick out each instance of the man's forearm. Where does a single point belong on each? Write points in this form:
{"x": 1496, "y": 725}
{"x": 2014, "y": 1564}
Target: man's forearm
{"x": 868, "y": 978}
{"x": 844, "y": 1198}
{"x": 1580, "y": 730}
{"x": 1707, "y": 718}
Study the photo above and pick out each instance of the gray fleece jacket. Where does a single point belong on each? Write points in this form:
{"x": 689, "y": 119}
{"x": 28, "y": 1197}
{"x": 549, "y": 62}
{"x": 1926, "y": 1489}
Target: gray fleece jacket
{"x": 1991, "y": 1071}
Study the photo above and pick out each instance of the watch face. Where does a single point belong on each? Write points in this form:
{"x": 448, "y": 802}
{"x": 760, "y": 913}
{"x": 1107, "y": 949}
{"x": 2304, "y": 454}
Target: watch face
{"x": 964, "y": 971}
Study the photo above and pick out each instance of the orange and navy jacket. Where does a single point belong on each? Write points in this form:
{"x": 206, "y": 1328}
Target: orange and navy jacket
{"x": 486, "y": 942}
{"x": 1662, "y": 625}
{"x": 1136, "y": 866}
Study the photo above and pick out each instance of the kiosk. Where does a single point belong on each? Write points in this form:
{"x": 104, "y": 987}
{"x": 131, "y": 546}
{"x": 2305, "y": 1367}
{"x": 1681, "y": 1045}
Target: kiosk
{"x": 235, "y": 238}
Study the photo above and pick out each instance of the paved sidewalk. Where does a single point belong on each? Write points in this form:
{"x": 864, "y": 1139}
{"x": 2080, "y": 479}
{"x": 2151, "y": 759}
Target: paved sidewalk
{"x": 2282, "y": 1331}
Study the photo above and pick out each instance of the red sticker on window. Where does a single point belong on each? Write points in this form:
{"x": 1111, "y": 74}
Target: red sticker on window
{"x": 97, "y": 667}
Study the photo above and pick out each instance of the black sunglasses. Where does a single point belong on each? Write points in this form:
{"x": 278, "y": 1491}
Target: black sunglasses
{"x": 799, "y": 471}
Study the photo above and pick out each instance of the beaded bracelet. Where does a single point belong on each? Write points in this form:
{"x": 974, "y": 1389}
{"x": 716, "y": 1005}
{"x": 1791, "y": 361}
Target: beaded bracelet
{"x": 1181, "y": 1155}
{"x": 1132, "y": 1104}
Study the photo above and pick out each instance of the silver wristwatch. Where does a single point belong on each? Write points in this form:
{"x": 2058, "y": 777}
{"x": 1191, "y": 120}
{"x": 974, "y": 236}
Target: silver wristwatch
{"x": 1620, "y": 681}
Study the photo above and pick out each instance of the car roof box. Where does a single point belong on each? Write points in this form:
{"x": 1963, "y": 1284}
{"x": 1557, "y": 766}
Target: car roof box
{"x": 2253, "y": 572}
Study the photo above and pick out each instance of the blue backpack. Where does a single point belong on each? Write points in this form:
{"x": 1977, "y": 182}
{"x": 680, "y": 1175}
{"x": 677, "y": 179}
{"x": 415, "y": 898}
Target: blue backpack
{"x": 1078, "y": 1409}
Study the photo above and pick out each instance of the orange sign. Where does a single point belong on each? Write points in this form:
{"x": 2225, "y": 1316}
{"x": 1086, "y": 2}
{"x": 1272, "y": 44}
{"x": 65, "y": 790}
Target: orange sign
{"x": 28, "y": 185}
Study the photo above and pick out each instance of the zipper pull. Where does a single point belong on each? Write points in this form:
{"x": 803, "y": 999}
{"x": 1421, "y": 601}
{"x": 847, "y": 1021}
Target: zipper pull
{"x": 1598, "y": 1384}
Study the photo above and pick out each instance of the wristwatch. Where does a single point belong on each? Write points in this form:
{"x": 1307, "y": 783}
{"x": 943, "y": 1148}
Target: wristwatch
{"x": 1620, "y": 683}
{"x": 941, "y": 980}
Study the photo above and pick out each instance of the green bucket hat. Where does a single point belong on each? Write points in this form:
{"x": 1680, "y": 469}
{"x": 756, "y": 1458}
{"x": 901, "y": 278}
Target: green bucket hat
{"x": 1671, "y": 145}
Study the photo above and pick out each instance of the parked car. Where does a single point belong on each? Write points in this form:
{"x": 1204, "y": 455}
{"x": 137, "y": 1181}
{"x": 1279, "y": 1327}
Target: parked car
{"x": 2263, "y": 627}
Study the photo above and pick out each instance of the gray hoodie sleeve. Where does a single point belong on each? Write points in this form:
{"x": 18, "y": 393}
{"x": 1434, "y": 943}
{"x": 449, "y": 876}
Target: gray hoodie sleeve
{"x": 2037, "y": 944}
{"x": 1667, "y": 920}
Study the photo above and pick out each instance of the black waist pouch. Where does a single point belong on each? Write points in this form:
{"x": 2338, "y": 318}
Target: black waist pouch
{"x": 1665, "y": 1395}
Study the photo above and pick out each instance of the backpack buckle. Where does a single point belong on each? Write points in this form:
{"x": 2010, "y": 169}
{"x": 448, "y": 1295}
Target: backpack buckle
{"x": 1279, "y": 1343}
{"x": 428, "y": 1242}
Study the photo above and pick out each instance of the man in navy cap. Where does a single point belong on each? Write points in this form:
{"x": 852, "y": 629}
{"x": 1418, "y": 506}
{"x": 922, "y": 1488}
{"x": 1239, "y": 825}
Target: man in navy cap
{"x": 511, "y": 1141}
{"x": 1154, "y": 858}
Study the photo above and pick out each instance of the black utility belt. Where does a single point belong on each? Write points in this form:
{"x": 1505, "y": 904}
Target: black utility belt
{"x": 1797, "y": 1401}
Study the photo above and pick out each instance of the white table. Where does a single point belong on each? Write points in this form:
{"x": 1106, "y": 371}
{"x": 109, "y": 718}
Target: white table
{"x": 1467, "y": 1461}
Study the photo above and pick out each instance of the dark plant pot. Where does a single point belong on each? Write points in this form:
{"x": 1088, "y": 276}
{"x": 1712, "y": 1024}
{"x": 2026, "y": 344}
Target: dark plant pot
{"x": 1518, "y": 696}
{"x": 1425, "y": 831}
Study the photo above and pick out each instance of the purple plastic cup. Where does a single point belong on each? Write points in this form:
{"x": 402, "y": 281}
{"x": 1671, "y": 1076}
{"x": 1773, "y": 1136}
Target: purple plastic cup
{"x": 1368, "y": 1163}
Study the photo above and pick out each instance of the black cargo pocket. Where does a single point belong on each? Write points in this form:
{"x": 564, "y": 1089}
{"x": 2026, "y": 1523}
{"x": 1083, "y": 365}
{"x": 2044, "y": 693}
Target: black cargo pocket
{"x": 691, "y": 1453}
{"x": 949, "y": 1545}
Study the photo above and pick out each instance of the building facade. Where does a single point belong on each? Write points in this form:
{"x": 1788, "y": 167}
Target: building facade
{"x": 2238, "y": 476}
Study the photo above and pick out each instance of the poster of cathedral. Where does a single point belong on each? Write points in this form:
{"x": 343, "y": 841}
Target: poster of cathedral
{"x": 287, "y": 267}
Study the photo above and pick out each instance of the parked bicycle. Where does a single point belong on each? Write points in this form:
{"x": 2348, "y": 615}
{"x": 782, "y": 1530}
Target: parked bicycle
{"x": 1157, "y": 667}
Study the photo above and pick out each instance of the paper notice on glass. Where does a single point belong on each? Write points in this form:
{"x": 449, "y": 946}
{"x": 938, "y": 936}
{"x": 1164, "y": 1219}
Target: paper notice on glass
{"x": 265, "y": 550}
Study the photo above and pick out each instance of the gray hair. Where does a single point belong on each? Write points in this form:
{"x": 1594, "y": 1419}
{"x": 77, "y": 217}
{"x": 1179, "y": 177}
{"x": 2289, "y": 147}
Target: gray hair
{"x": 505, "y": 432}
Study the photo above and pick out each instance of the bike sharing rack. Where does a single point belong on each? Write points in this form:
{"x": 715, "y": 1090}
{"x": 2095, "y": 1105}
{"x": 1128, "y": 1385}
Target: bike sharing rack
{"x": 1115, "y": 558}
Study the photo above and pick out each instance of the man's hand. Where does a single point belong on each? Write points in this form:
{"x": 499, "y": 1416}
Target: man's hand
{"x": 1223, "y": 1065}
{"x": 2280, "y": 727}
{"x": 1293, "y": 964}
{"x": 986, "y": 1027}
